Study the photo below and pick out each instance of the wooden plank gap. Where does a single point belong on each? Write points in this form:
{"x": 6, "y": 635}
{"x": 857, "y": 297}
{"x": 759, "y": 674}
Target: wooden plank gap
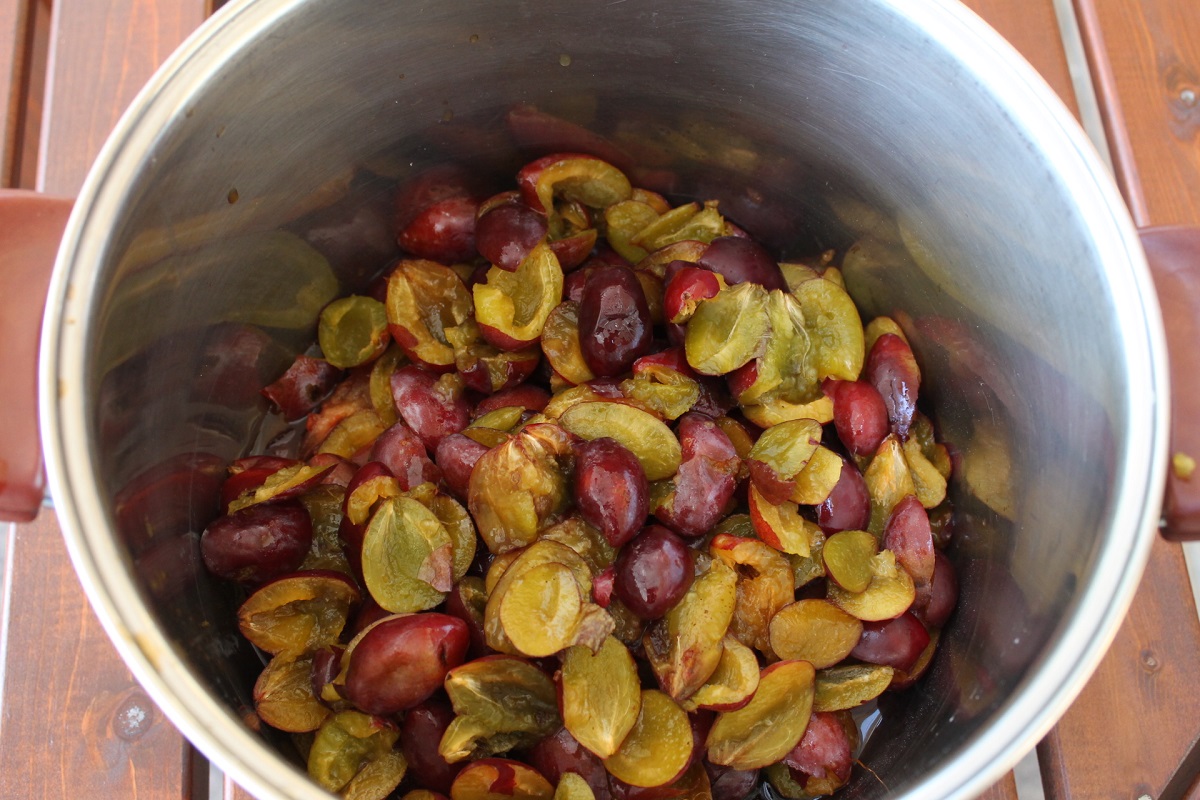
{"x": 15, "y": 20}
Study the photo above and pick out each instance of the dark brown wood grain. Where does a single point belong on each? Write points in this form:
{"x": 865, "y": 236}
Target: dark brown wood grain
{"x": 75, "y": 723}
{"x": 1148, "y": 82}
{"x": 1139, "y": 715}
{"x": 102, "y": 55}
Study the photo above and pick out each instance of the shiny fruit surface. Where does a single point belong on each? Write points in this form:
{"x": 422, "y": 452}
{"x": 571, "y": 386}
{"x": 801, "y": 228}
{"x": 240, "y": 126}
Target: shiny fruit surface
{"x": 653, "y": 572}
{"x": 257, "y": 543}
{"x": 400, "y": 662}
{"x": 614, "y": 321}
{"x": 611, "y": 489}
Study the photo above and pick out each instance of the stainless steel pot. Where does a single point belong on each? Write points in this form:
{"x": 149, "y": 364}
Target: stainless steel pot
{"x": 249, "y": 184}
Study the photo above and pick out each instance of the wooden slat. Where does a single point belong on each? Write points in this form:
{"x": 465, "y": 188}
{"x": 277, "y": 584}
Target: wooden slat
{"x": 75, "y": 723}
{"x": 1031, "y": 26}
{"x": 1140, "y": 715}
{"x": 102, "y": 53}
{"x": 1149, "y": 89}
{"x": 1004, "y": 789}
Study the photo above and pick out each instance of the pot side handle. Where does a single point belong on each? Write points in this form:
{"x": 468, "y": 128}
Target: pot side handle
{"x": 1173, "y": 252}
{"x": 31, "y": 227}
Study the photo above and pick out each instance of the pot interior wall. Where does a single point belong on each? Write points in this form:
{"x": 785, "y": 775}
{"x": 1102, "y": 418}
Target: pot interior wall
{"x": 833, "y": 124}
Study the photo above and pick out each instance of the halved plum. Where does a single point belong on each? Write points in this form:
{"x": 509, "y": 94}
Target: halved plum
{"x": 401, "y": 661}
{"x": 611, "y": 489}
{"x": 284, "y": 698}
{"x": 424, "y": 299}
{"x": 689, "y": 222}
{"x": 817, "y": 480}
{"x": 653, "y": 572}
{"x": 507, "y": 229}
{"x": 561, "y": 344}
{"x": 512, "y": 307}
{"x": 848, "y": 559}
{"x": 835, "y": 330}
{"x": 298, "y": 613}
{"x": 540, "y": 609}
{"x": 909, "y": 536}
{"x": 732, "y": 684}
{"x": 780, "y": 524}
{"x": 502, "y": 702}
{"x": 815, "y": 631}
{"x": 306, "y": 383}
{"x": 768, "y": 727}
{"x": 741, "y": 260}
{"x": 516, "y": 488}
{"x": 420, "y": 733}
{"x": 485, "y": 367}
{"x": 290, "y": 481}
{"x": 407, "y": 556}
{"x": 443, "y": 231}
{"x": 574, "y": 176}
{"x": 849, "y": 686}
{"x": 780, "y": 454}
{"x": 822, "y": 760}
{"x": 573, "y": 787}
{"x": 258, "y": 543}
{"x": 500, "y": 779}
{"x": 586, "y": 623}
{"x": 888, "y": 595}
{"x": 728, "y": 330}
{"x": 346, "y": 748}
{"x": 600, "y": 695}
{"x": 353, "y": 330}
{"x": 892, "y": 368}
{"x": 615, "y": 328}
{"x": 764, "y": 586}
{"x": 559, "y": 755}
{"x": 433, "y": 406}
{"x": 658, "y": 748}
{"x": 895, "y": 642}
{"x": 643, "y": 434}
{"x": 684, "y": 647}
{"x": 697, "y": 496}
{"x": 685, "y": 289}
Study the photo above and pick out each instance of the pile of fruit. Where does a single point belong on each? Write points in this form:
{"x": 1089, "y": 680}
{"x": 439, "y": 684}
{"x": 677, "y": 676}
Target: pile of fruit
{"x": 596, "y": 499}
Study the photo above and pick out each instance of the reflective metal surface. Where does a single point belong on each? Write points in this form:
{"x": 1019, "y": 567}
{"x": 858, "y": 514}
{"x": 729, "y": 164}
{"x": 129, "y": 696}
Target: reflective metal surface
{"x": 250, "y": 183}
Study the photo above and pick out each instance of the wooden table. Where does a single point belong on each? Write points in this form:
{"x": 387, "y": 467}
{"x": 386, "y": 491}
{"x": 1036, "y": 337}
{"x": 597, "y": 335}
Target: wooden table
{"x": 75, "y": 724}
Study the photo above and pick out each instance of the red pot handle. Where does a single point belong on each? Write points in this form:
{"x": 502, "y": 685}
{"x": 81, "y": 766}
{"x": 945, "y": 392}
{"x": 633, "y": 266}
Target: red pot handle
{"x": 1173, "y": 252}
{"x": 31, "y": 226}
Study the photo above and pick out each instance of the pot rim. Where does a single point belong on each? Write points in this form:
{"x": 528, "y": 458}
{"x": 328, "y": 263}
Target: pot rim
{"x": 1036, "y": 704}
